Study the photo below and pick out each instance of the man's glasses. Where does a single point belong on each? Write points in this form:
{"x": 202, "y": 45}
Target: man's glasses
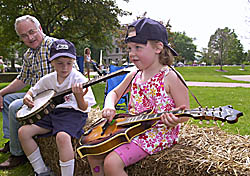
{"x": 31, "y": 32}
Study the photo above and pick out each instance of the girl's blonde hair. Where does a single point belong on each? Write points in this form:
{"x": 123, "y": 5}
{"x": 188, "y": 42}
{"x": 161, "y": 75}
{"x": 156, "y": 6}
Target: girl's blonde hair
{"x": 165, "y": 57}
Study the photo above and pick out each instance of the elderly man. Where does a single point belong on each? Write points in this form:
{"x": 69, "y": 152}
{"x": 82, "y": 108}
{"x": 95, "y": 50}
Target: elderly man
{"x": 35, "y": 65}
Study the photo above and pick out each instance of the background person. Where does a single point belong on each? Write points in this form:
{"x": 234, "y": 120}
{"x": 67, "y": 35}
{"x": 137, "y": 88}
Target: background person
{"x": 87, "y": 60}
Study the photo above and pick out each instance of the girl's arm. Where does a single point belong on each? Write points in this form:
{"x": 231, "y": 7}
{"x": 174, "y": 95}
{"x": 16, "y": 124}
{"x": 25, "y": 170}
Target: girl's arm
{"x": 113, "y": 97}
{"x": 178, "y": 91}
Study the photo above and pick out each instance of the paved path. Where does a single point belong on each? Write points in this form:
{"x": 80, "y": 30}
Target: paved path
{"x": 218, "y": 84}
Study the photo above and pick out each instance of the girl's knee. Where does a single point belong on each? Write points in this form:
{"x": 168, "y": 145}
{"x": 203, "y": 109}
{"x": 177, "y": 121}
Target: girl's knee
{"x": 113, "y": 161}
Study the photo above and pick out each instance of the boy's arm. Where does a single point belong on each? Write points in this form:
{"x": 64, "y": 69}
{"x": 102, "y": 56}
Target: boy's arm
{"x": 79, "y": 95}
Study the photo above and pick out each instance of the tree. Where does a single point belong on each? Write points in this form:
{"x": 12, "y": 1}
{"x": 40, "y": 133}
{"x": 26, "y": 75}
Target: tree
{"x": 80, "y": 21}
{"x": 225, "y": 48}
{"x": 184, "y": 46}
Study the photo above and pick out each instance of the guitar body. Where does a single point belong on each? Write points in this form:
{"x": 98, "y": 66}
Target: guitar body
{"x": 104, "y": 137}
{"x": 98, "y": 142}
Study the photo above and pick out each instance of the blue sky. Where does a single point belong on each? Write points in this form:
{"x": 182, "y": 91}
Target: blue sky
{"x": 198, "y": 18}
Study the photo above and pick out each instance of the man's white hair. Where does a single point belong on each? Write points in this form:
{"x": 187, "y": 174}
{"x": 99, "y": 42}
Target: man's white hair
{"x": 27, "y": 17}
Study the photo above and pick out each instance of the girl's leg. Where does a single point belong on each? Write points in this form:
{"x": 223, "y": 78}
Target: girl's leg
{"x": 113, "y": 165}
{"x": 30, "y": 147}
{"x": 66, "y": 153}
{"x": 96, "y": 164}
{"x": 123, "y": 156}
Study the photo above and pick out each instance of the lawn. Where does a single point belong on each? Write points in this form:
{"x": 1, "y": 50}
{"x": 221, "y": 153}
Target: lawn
{"x": 210, "y": 74}
{"x": 208, "y": 96}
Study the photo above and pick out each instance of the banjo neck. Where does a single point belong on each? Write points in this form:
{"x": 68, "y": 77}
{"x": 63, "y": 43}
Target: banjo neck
{"x": 58, "y": 98}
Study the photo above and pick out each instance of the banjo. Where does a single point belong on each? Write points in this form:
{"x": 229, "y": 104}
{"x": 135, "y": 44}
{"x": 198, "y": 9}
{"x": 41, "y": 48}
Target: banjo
{"x": 46, "y": 101}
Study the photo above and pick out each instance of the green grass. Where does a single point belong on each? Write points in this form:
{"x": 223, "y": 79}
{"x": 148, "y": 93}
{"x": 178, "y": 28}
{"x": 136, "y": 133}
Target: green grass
{"x": 208, "y": 96}
{"x": 219, "y": 96}
{"x": 210, "y": 74}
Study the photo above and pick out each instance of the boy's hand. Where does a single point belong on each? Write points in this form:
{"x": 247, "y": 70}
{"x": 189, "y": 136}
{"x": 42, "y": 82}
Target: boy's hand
{"x": 78, "y": 90}
{"x": 28, "y": 100}
{"x": 171, "y": 120}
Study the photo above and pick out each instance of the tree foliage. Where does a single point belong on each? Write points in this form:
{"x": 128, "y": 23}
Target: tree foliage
{"x": 184, "y": 46}
{"x": 81, "y": 21}
{"x": 225, "y": 48}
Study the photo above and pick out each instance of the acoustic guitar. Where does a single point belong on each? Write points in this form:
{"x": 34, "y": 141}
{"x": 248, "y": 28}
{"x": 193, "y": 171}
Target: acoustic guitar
{"x": 46, "y": 101}
{"x": 103, "y": 137}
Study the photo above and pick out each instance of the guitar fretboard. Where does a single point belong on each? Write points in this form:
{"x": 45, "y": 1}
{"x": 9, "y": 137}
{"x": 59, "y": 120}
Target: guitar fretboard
{"x": 147, "y": 117}
{"x": 225, "y": 113}
{"x": 58, "y": 98}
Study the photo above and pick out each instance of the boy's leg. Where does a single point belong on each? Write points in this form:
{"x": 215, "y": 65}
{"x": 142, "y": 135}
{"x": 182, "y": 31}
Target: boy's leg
{"x": 66, "y": 153}
{"x": 30, "y": 146}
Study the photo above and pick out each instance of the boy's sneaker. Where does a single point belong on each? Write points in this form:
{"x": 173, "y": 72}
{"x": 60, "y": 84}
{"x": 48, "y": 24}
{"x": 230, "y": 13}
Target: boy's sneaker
{"x": 47, "y": 173}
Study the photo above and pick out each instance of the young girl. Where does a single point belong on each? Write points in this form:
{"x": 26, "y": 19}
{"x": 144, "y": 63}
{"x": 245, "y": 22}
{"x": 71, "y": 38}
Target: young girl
{"x": 154, "y": 87}
{"x": 67, "y": 119}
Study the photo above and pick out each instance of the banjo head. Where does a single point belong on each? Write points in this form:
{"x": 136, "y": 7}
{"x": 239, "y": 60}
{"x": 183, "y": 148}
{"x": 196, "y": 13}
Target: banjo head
{"x": 40, "y": 101}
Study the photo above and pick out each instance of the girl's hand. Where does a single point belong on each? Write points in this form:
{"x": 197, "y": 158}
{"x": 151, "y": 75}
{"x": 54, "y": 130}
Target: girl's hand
{"x": 28, "y": 100}
{"x": 171, "y": 120}
{"x": 78, "y": 90}
{"x": 108, "y": 113}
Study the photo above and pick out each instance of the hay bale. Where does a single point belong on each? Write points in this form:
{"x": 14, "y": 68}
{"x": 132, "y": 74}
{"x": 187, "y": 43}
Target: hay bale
{"x": 200, "y": 151}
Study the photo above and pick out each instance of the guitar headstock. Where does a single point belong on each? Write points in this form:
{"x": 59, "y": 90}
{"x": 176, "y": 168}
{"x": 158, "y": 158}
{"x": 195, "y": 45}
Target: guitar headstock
{"x": 224, "y": 114}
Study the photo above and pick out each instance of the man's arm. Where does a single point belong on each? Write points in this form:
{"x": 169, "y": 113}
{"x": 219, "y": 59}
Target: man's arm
{"x": 14, "y": 86}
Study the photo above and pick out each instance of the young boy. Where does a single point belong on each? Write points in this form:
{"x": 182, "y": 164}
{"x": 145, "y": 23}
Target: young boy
{"x": 67, "y": 119}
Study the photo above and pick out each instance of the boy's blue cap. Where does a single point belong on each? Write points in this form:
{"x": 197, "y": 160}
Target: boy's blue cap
{"x": 62, "y": 47}
{"x": 148, "y": 29}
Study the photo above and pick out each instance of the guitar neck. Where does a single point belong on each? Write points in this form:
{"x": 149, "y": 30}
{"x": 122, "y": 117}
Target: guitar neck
{"x": 148, "y": 117}
{"x": 225, "y": 113}
{"x": 93, "y": 81}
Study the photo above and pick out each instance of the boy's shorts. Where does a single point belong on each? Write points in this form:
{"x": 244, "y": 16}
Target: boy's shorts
{"x": 130, "y": 153}
{"x": 68, "y": 120}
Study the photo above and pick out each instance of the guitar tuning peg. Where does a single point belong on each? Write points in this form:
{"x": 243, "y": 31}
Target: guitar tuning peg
{"x": 207, "y": 122}
{"x": 199, "y": 108}
{"x": 200, "y": 122}
{"x": 213, "y": 108}
{"x": 220, "y": 108}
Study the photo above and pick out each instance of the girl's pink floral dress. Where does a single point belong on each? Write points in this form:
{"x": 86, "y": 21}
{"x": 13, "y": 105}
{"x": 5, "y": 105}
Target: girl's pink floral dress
{"x": 152, "y": 95}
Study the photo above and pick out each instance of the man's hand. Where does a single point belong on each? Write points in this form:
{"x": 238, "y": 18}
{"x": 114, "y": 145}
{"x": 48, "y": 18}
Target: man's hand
{"x": 1, "y": 103}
